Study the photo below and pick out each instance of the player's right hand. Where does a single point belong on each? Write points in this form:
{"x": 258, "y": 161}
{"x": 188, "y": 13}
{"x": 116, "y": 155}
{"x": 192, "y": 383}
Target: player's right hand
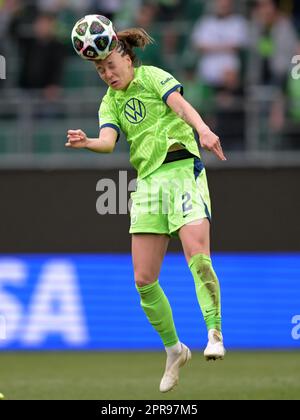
{"x": 77, "y": 139}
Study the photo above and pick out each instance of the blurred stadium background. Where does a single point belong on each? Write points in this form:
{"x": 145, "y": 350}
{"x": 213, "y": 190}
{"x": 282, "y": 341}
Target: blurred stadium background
{"x": 70, "y": 321}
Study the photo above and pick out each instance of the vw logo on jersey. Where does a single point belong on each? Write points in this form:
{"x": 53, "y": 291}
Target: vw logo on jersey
{"x": 135, "y": 111}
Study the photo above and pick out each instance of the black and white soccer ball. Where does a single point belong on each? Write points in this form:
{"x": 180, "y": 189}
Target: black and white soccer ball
{"x": 94, "y": 37}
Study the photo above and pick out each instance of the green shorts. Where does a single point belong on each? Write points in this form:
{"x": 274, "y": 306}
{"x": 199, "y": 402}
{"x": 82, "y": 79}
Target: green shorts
{"x": 169, "y": 198}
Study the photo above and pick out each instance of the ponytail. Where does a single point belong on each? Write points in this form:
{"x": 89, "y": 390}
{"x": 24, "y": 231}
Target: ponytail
{"x": 133, "y": 38}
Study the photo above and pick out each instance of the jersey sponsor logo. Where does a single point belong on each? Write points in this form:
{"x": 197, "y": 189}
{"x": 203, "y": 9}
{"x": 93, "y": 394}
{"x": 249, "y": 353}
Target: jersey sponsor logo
{"x": 135, "y": 111}
{"x": 164, "y": 82}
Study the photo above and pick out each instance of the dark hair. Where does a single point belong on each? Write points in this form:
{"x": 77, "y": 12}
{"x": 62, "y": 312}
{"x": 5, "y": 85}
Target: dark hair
{"x": 132, "y": 38}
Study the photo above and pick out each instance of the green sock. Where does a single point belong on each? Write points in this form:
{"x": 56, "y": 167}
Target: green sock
{"x": 207, "y": 290}
{"x": 159, "y": 313}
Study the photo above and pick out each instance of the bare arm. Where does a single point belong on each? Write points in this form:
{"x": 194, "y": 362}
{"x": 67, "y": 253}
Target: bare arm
{"x": 185, "y": 111}
{"x": 105, "y": 143}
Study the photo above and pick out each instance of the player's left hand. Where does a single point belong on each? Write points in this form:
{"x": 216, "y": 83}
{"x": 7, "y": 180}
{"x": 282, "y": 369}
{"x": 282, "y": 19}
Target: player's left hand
{"x": 211, "y": 142}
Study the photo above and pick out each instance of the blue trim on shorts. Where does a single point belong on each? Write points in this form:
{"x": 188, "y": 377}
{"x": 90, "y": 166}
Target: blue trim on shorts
{"x": 198, "y": 167}
{"x": 167, "y": 94}
{"x": 207, "y": 212}
{"x": 115, "y": 127}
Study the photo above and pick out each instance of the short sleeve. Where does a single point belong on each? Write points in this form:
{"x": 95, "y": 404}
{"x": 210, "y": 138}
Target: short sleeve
{"x": 163, "y": 82}
{"x": 108, "y": 116}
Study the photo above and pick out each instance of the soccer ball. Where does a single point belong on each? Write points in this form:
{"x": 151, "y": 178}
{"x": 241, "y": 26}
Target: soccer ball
{"x": 94, "y": 37}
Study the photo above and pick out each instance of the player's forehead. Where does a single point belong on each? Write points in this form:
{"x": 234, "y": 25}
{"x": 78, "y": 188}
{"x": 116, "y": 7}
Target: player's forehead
{"x": 114, "y": 58}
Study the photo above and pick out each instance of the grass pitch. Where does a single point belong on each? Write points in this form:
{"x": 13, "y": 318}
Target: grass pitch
{"x": 136, "y": 376}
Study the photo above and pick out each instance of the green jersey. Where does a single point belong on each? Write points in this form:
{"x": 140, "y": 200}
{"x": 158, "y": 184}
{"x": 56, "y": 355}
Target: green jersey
{"x": 149, "y": 125}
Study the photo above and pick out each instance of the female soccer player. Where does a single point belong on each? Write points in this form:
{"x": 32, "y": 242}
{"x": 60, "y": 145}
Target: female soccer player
{"x": 172, "y": 198}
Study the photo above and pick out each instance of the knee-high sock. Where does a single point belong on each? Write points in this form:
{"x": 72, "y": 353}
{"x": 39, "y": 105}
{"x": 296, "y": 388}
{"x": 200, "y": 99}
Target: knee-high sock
{"x": 159, "y": 313}
{"x": 207, "y": 290}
